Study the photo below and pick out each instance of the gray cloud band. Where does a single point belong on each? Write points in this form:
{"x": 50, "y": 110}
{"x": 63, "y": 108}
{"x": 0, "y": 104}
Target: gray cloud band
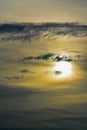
{"x": 31, "y": 31}
{"x": 54, "y": 57}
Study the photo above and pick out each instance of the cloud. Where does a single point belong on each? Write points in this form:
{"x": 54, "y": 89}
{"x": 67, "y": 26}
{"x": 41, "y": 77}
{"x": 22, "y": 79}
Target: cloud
{"x": 19, "y": 105}
{"x": 49, "y": 56}
{"x": 49, "y": 118}
{"x": 32, "y": 31}
{"x": 62, "y": 58}
{"x": 9, "y": 78}
{"x": 57, "y": 72}
{"x": 26, "y": 71}
{"x": 40, "y": 57}
{"x": 52, "y": 57}
{"x": 13, "y": 91}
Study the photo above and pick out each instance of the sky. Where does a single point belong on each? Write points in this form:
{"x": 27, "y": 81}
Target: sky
{"x": 43, "y": 11}
{"x": 43, "y": 64}
{"x": 43, "y": 75}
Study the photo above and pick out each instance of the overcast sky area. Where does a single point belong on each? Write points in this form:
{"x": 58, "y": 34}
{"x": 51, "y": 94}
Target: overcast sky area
{"x": 43, "y": 11}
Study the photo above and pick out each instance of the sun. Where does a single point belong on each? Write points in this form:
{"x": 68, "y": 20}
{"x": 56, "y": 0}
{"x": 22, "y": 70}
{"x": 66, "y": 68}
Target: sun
{"x": 63, "y": 69}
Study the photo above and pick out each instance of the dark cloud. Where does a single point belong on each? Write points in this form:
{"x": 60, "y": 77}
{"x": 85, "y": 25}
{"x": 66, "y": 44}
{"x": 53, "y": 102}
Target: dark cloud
{"x": 48, "y": 119}
{"x": 13, "y": 91}
{"x": 40, "y": 57}
{"x": 49, "y": 56}
{"x": 47, "y": 116}
{"x": 45, "y": 56}
{"x": 56, "y": 57}
{"x": 30, "y": 31}
{"x": 53, "y": 57}
{"x": 8, "y": 78}
{"x": 57, "y": 72}
{"x": 19, "y": 91}
{"x": 25, "y": 71}
{"x": 63, "y": 58}
{"x": 27, "y": 58}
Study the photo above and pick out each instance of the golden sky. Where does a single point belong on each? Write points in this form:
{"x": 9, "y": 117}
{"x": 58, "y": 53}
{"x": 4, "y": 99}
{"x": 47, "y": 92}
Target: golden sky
{"x": 43, "y": 64}
{"x": 43, "y": 11}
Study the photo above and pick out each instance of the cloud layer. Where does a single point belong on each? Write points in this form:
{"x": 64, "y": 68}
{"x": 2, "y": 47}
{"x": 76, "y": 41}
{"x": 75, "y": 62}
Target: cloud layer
{"x": 54, "y": 57}
{"x": 30, "y": 31}
{"x": 21, "y": 100}
{"x": 31, "y": 94}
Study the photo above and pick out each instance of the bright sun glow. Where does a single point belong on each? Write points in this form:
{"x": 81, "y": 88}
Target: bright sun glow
{"x": 63, "y": 69}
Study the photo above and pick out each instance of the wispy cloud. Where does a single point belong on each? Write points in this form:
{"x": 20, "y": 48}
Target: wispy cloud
{"x": 39, "y": 57}
{"x": 11, "y": 78}
{"x": 24, "y": 71}
{"x": 31, "y": 31}
{"x": 55, "y": 57}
